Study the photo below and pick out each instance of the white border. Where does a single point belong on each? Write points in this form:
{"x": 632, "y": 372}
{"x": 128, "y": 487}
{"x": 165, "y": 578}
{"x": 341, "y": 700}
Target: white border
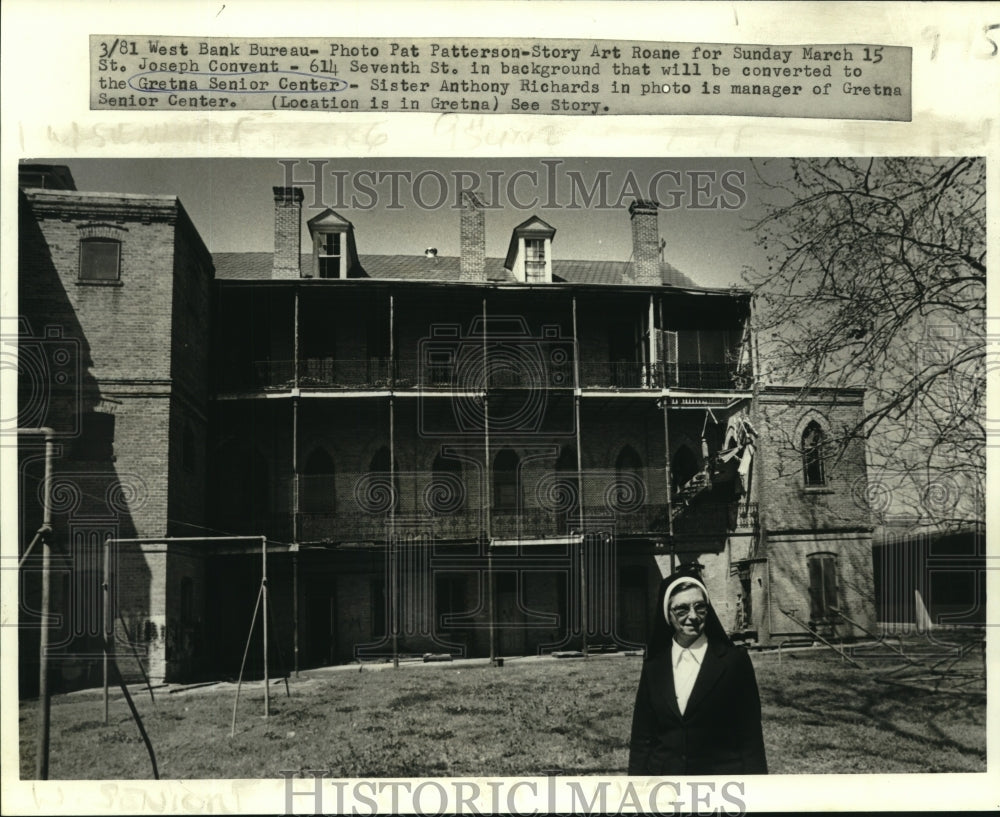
{"x": 45, "y": 92}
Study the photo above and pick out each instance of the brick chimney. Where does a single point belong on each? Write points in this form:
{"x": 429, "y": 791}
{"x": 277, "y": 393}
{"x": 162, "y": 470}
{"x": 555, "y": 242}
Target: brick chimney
{"x": 645, "y": 243}
{"x": 472, "y": 263}
{"x": 287, "y": 231}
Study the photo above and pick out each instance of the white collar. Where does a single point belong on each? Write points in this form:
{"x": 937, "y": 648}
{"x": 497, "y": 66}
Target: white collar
{"x": 697, "y": 650}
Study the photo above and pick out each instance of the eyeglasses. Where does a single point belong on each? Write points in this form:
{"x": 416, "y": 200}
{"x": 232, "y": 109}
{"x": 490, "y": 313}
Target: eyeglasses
{"x": 683, "y": 610}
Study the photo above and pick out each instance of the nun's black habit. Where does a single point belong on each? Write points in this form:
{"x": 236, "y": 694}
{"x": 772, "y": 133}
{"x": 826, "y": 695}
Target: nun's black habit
{"x": 720, "y": 730}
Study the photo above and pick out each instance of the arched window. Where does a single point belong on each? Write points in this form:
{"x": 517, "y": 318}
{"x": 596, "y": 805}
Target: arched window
{"x": 506, "y": 491}
{"x": 317, "y": 485}
{"x": 812, "y": 455}
{"x": 446, "y": 492}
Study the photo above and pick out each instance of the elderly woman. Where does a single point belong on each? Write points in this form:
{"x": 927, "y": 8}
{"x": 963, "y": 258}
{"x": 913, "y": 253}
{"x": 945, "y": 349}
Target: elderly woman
{"x": 697, "y": 710}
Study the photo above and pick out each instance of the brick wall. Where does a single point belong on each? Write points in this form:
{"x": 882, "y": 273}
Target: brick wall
{"x": 287, "y": 231}
{"x": 787, "y": 502}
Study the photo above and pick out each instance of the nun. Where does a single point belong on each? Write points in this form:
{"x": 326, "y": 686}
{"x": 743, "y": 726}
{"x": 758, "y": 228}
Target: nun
{"x": 697, "y": 710}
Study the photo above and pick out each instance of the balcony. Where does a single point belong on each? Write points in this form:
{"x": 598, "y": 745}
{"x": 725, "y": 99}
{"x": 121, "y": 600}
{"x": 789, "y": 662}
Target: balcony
{"x": 330, "y": 373}
{"x": 618, "y": 375}
{"x": 714, "y": 376}
{"x": 523, "y": 372}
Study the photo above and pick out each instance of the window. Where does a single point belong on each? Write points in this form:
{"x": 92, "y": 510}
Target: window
{"x": 317, "y": 485}
{"x": 506, "y": 493}
{"x": 534, "y": 260}
{"x": 100, "y": 259}
{"x": 812, "y": 455}
{"x": 330, "y": 255}
{"x": 822, "y": 587}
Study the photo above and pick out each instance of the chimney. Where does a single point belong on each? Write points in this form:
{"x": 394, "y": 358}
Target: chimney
{"x": 287, "y": 231}
{"x": 645, "y": 243}
{"x": 472, "y": 264}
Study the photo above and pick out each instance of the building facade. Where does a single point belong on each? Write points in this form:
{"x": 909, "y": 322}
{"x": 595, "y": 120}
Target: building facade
{"x": 471, "y": 455}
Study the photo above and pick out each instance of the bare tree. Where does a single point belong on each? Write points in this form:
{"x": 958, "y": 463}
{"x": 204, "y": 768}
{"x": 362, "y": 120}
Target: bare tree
{"x": 877, "y": 279}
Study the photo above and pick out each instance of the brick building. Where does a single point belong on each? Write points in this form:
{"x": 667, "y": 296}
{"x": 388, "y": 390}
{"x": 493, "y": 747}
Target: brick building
{"x": 478, "y": 456}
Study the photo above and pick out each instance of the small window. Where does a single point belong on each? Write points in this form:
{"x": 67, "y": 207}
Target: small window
{"x": 534, "y": 260}
{"x": 813, "y": 455}
{"x": 100, "y": 259}
{"x": 329, "y": 255}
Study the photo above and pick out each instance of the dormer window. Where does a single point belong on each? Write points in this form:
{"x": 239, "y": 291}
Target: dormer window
{"x": 529, "y": 256}
{"x": 330, "y": 255}
{"x": 334, "y": 253}
{"x": 534, "y": 260}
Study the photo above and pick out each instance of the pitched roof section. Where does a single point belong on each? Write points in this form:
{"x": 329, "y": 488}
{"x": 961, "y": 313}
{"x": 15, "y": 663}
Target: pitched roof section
{"x": 257, "y": 266}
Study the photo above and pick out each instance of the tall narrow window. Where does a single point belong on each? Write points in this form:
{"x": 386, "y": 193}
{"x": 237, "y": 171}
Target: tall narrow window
{"x": 506, "y": 494}
{"x": 100, "y": 259}
{"x": 329, "y": 255}
{"x": 534, "y": 260}
{"x": 822, "y": 587}
{"x": 812, "y": 455}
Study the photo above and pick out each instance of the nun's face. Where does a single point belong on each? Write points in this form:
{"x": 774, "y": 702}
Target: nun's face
{"x": 686, "y": 612}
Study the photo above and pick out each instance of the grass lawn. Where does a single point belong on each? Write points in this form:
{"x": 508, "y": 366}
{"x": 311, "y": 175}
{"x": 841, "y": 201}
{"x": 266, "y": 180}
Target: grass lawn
{"x": 529, "y": 717}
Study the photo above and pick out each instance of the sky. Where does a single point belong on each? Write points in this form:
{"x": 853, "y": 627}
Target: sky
{"x": 402, "y": 206}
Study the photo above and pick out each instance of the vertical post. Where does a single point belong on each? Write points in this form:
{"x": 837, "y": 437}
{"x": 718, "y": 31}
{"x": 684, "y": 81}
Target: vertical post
{"x": 665, "y": 402}
{"x": 106, "y": 620}
{"x": 662, "y": 370}
{"x": 295, "y": 612}
{"x": 392, "y": 341}
{"x": 393, "y": 545}
{"x": 666, "y": 450}
{"x": 295, "y": 337}
{"x": 584, "y": 618}
{"x": 488, "y": 499}
{"x": 263, "y": 591}
{"x": 651, "y": 341}
{"x": 42, "y": 759}
{"x": 577, "y": 393}
{"x": 296, "y": 529}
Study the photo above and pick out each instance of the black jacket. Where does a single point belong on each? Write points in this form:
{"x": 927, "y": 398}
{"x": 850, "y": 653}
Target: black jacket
{"x": 720, "y": 730}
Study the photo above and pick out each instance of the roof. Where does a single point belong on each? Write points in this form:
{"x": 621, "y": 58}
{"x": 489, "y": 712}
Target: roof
{"x": 257, "y": 266}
